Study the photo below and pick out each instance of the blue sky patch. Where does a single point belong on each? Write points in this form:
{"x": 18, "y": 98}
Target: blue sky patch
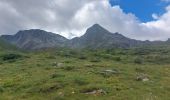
{"x": 143, "y": 9}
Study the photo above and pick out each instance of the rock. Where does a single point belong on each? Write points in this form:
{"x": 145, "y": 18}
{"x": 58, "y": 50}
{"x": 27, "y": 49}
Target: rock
{"x": 96, "y": 92}
{"x": 88, "y": 65}
{"x": 108, "y": 73}
{"x": 145, "y": 79}
{"x": 57, "y": 64}
{"x": 142, "y": 77}
{"x": 111, "y": 71}
{"x": 61, "y": 94}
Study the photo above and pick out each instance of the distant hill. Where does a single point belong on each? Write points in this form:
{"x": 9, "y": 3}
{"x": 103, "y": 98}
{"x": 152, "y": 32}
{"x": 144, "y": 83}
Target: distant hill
{"x": 35, "y": 39}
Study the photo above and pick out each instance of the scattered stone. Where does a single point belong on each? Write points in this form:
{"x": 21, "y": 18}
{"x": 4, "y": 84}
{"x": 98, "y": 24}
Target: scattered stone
{"x": 111, "y": 71}
{"x": 108, "y": 73}
{"x": 142, "y": 77}
{"x": 61, "y": 94}
{"x": 88, "y": 65}
{"x": 57, "y": 64}
{"x": 96, "y": 92}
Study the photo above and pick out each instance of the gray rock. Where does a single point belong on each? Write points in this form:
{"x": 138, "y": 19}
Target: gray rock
{"x": 57, "y": 64}
{"x": 142, "y": 77}
{"x": 108, "y": 73}
{"x": 97, "y": 92}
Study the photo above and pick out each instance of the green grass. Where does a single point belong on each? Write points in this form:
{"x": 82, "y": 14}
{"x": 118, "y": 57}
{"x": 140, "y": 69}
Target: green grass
{"x": 36, "y": 75}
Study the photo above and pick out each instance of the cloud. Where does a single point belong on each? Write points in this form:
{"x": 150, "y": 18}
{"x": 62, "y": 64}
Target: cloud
{"x": 155, "y": 16}
{"x": 72, "y": 17}
{"x": 165, "y": 0}
{"x": 51, "y": 15}
{"x": 160, "y": 27}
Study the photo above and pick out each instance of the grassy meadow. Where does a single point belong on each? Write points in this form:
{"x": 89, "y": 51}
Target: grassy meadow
{"x": 65, "y": 74}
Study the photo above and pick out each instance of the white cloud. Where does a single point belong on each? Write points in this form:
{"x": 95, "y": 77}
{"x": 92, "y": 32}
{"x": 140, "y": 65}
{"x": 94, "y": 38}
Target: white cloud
{"x": 155, "y": 16}
{"x": 73, "y": 17}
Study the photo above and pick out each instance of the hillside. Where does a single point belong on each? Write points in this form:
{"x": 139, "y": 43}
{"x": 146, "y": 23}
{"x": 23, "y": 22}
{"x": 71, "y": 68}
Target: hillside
{"x": 108, "y": 66}
{"x": 64, "y": 74}
{"x": 5, "y": 46}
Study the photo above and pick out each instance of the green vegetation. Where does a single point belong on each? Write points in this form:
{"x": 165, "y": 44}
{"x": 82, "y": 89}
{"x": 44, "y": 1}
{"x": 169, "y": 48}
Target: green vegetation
{"x": 65, "y": 74}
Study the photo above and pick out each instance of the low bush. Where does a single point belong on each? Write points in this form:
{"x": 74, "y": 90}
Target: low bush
{"x": 50, "y": 88}
{"x": 95, "y": 60}
{"x": 80, "y": 81}
{"x": 82, "y": 57}
{"x": 1, "y": 89}
{"x": 10, "y": 57}
{"x": 138, "y": 60}
{"x": 57, "y": 75}
{"x": 69, "y": 68}
{"x": 117, "y": 58}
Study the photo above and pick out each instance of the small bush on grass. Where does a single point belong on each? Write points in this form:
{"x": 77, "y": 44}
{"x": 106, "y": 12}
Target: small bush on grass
{"x": 139, "y": 69}
{"x": 10, "y": 57}
{"x": 1, "y": 89}
{"x": 138, "y": 60}
{"x": 57, "y": 75}
{"x": 81, "y": 81}
{"x": 117, "y": 58}
{"x": 67, "y": 61}
{"x": 69, "y": 68}
{"x": 95, "y": 60}
{"x": 50, "y": 88}
{"x": 106, "y": 56}
{"x": 82, "y": 57}
{"x": 51, "y": 57}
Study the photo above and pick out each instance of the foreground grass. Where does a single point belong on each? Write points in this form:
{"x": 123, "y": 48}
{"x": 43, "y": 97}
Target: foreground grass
{"x": 69, "y": 75}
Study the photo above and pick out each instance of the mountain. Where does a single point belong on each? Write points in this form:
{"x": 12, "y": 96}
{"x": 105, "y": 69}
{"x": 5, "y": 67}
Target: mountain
{"x": 95, "y": 37}
{"x": 98, "y": 37}
{"x": 35, "y": 39}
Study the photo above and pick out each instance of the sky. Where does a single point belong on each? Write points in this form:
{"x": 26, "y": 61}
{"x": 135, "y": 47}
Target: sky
{"x": 143, "y": 9}
{"x": 136, "y": 19}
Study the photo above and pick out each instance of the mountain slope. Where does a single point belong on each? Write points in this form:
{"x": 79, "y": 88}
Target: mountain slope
{"x": 98, "y": 37}
{"x": 35, "y": 39}
{"x": 4, "y": 45}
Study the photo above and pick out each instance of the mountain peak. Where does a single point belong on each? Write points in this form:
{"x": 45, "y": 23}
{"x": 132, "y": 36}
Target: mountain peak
{"x": 96, "y": 29}
{"x": 97, "y": 26}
